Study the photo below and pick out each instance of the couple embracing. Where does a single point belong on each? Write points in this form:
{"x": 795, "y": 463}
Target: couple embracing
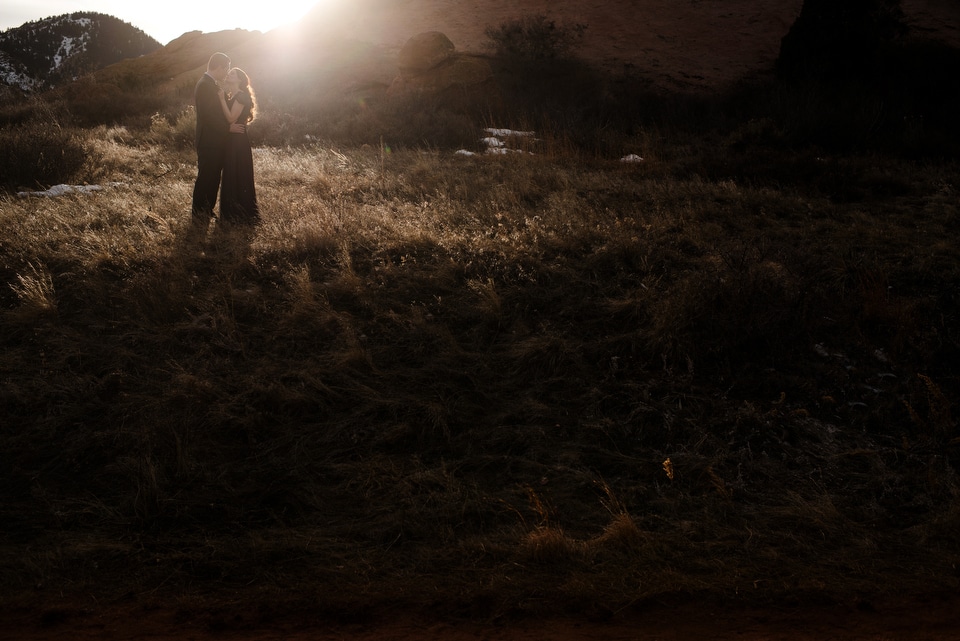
{"x": 225, "y": 105}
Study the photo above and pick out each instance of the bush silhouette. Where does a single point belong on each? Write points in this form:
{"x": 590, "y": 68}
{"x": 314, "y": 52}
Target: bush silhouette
{"x": 40, "y": 154}
{"x": 535, "y": 38}
{"x": 834, "y": 40}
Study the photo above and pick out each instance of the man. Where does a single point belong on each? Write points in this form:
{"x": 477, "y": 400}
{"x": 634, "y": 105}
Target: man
{"x": 211, "y": 140}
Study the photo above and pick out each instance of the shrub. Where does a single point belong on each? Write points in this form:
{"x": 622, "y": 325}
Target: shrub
{"x": 40, "y": 153}
{"x": 840, "y": 40}
{"x": 92, "y": 103}
{"x": 16, "y": 110}
{"x": 179, "y": 130}
{"x": 535, "y": 38}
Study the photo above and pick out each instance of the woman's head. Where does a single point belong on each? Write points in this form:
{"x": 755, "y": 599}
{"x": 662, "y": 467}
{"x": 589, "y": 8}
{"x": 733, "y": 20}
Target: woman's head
{"x": 238, "y": 76}
{"x": 238, "y": 80}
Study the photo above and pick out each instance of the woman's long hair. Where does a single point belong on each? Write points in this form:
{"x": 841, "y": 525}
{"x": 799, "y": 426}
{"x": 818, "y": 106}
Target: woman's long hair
{"x": 243, "y": 82}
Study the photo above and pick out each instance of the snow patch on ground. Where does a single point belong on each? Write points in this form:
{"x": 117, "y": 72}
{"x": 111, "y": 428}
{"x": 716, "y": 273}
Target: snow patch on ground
{"x": 505, "y": 141}
{"x": 500, "y": 141}
{"x": 61, "y": 190}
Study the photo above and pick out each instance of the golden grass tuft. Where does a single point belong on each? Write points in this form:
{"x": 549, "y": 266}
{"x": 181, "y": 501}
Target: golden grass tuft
{"x": 621, "y": 533}
{"x": 549, "y": 545}
{"x": 35, "y": 293}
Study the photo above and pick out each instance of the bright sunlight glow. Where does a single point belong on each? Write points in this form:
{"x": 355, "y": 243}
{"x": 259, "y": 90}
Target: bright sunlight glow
{"x": 168, "y": 20}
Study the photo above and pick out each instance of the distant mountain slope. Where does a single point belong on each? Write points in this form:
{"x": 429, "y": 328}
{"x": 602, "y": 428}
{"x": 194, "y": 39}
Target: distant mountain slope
{"x": 43, "y": 53}
{"x": 676, "y": 44}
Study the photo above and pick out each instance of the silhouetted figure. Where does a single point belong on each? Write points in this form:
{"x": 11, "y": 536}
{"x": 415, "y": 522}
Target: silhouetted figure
{"x": 211, "y": 141}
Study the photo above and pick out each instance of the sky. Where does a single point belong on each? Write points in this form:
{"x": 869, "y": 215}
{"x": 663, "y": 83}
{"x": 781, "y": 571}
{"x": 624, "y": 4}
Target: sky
{"x": 166, "y": 20}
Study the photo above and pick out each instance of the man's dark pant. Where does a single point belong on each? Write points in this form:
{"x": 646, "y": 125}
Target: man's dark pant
{"x": 209, "y": 169}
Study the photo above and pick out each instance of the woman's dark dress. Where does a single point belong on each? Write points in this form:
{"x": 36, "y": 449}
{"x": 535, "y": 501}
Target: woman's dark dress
{"x": 238, "y": 197}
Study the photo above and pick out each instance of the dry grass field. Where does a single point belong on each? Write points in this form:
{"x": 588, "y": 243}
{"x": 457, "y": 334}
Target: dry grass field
{"x": 713, "y": 387}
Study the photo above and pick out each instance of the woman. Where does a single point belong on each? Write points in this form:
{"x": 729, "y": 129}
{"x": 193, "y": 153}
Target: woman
{"x": 238, "y": 197}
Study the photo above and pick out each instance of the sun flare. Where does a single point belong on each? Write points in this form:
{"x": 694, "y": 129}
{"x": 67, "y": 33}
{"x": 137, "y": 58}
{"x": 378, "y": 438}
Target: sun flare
{"x": 182, "y": 16}
{"x": 275, "y": 13}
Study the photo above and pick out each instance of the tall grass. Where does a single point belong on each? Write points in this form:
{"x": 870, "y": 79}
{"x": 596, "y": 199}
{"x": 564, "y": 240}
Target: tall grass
{"x": 434, "y": 379}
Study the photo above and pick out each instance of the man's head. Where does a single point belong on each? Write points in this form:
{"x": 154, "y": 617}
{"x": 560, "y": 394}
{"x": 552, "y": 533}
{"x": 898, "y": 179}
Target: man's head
{"x": 218, "y": 66}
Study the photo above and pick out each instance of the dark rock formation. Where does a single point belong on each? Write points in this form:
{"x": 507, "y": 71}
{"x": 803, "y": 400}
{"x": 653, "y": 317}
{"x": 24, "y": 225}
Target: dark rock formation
{"x": 430, "y": 67}
{"x": 840, "y": 39}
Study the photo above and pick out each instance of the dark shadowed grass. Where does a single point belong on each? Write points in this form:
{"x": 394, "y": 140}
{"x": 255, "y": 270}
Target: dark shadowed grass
{"x": 492, "y": 384}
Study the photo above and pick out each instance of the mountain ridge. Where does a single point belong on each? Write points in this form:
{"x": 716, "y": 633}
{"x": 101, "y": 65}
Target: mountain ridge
{"x": 691, "y": 46}
{"x": 43, "y": 53}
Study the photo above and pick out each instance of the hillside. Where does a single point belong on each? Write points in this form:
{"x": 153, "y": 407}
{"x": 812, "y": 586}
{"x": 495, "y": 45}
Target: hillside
{"x": 47, "y": 52}
{"x": 665, "y": 45}
{"x": 675, "y": 45}
{"x": 687, "y": 45}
